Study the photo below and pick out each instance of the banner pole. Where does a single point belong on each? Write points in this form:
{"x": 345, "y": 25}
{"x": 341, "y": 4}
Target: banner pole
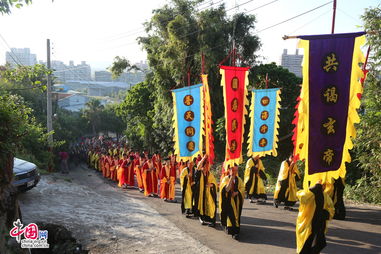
{"x": 333, "y": 17}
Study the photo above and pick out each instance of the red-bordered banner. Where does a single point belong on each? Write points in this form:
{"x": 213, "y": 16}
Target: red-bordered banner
{"x": 234, "y": 81}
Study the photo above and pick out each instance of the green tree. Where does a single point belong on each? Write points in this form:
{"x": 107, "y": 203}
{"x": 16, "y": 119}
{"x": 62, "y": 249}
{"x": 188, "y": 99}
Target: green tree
{"x": 17, "y": 125}
{"x": 92, "y": 113}
{"x": 69, "y": 126}
{"x": 120, "y": 65}
{"x": 30, "y": 83}
{"x": 177, "y": 34}
{"x": 136, "y": 111}
{"x": 110, "y": 121}
{"x": 6, "y": 5}
{"x": 367, "y": 143}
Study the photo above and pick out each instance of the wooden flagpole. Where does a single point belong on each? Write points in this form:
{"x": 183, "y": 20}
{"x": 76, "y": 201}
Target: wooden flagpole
{"x": 333, "y": 17}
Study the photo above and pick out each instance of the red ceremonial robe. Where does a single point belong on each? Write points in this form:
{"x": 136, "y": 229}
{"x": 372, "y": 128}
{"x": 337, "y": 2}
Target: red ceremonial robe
{"x": 138, "y": 173}
{"x": 167, "y": 182}
{"x": 107, "y": 164}
{"x": 128, "y": 173}
{"x": 149, "y": 176}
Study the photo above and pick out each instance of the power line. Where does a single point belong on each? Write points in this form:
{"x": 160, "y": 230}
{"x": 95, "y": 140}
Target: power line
{"x": 141, "y": 29}
{"x": 262, "y": 6}
{"x": 208, "y": 49}
{"x": 153, "y": 66}
{"x": 11, "y": 52}
{"x": 169, "y": 19}
{"x": 313, "y": 20}
{"x": 236, "y": 6}
{"x": 284, "y": 21}
{"x": 24, "y": 88}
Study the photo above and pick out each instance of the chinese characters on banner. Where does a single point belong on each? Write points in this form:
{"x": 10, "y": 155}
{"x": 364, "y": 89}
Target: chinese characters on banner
{"x": 188, "y": 119}
{"x": 234, "y": 80}
{"x": 209, "y": 139}
{"x": 264, "y": 122}
{"x": 328, "y": 103}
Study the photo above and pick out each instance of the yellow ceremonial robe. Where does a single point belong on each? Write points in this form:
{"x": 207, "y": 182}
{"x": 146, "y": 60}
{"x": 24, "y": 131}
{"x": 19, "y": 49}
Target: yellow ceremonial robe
{"x": 231, "y": 208}
{"x": 206, "y": 199}
{"x": 253, "y": 182}
{"x": 306, "y": 214}
{"x": 186, "y": 189}
{"x": 285, "y": 173}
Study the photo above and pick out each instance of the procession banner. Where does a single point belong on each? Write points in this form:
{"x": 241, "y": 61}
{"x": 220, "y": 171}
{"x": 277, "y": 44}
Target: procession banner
{"x": 264, "y": 122}
{"x": 234, "y": 81}
{"x": 328, "y": 105}
{"x": 209, "y": 139}
{"x": 188, "y": 119}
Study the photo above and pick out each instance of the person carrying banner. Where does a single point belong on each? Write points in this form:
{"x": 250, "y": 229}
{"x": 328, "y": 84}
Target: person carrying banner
{"x": 187, "y": 183}
{"x": 315, "y": 210}
{"x": 232, "y": 192}
{"x": 254, "y": 180}
{"x": 285, "y": 190}
{"x": 206, "y": 190}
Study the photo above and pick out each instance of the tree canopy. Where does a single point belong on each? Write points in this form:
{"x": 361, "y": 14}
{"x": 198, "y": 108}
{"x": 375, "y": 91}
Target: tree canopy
{"x": 177, "y": 35}
{"x": 367, "y": 144}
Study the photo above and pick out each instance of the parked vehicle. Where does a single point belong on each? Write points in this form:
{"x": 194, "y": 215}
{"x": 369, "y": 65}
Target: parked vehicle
{"x": 26, "y": 175}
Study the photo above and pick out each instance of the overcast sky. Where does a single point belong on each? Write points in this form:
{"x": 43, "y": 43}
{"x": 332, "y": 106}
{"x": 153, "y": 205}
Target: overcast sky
{"x": 96, "y": 31}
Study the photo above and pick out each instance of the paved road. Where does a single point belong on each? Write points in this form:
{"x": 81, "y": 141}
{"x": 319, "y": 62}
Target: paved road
{"x": 99, "y": 214}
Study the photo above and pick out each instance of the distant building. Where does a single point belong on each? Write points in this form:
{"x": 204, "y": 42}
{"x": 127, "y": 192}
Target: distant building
{"x": 132, "y": 77}
{"x": 73, "y": 102}
{"x": 60, "y": 88}
{"x": 97, "y": 88}
{"x": 20, "y": 56}
{"x": 142, "y": 65}
{"x": 102, "y": 76}
{"x": 63, "y": 72}
{"x": 292, "y": 62}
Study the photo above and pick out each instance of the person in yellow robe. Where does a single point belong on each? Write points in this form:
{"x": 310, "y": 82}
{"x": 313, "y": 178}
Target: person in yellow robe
{"x": 285, "y": 189}
{"x": 187, "y": 183}
{"x": 254, "y": 180}
{"x": 315, "y": 210}
{"x": 205, "y": 196}
{"x": 232, "y": 193}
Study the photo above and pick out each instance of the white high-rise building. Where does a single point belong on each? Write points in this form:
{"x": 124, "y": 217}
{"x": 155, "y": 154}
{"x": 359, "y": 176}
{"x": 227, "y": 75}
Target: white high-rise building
{"x": 20, "y": 56}
{"x": 63, "y": 72}
{"x": 292, "y": 62}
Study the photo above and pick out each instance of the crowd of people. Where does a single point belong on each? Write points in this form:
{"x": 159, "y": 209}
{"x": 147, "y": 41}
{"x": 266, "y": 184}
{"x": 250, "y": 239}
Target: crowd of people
{"x": 155, "y": 176}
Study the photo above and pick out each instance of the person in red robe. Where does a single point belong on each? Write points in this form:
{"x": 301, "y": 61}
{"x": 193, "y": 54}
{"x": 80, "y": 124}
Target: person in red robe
{"x": 139, "y": 162}
{"x": 121, "y": 173}
{"x": 114, "y": 167}
{"x": 149, "y": 175}
{"x": 128, "y": 171}
{"x": 156, "y": 159}
{"x": 107, "y": 165}
{"x": 167, "y": 181}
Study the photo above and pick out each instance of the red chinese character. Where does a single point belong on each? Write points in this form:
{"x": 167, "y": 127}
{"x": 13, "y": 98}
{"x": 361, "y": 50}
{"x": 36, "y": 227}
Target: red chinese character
{"x": 17, "y": 231}
{"x": 31, "y": 231}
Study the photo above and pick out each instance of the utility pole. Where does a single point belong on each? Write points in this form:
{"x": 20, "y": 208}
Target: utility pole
{"x": 49, "y": 124}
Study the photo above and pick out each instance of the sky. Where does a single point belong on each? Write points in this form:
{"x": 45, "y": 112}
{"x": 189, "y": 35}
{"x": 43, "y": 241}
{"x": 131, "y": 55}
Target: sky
{"x": 96, "y": 31}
